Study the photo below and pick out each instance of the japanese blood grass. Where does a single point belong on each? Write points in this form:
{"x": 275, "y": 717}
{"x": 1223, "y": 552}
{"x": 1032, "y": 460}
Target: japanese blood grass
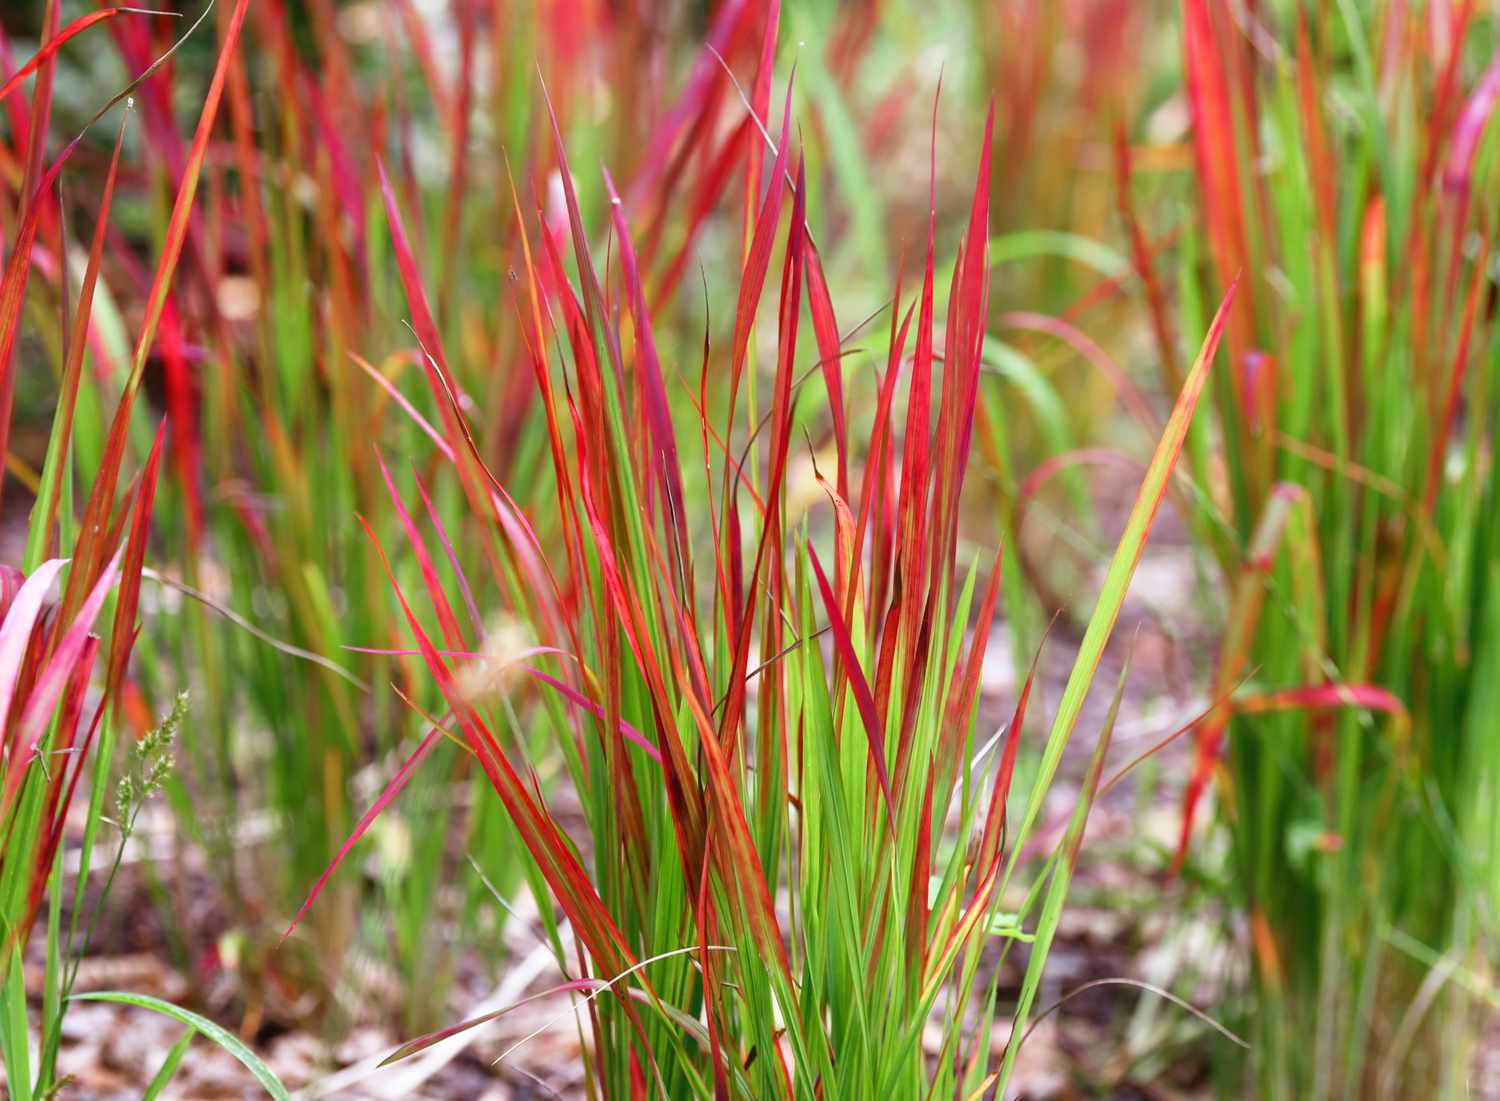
{"x": 1339, "y": 149}
{"x": 284, "y": 306}
{"x": 285, "y": 309}
{"x": 795, "y": 861}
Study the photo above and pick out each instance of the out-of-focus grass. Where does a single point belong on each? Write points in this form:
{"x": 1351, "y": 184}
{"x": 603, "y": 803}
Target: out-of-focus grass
{"x": 1343, "y": 157}
{"x": 56, "y": 729}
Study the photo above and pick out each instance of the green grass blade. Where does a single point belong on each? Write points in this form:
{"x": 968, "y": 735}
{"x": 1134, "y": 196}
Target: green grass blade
{"x": 218, "y": 1034}
{"x": 1121, "y": 570}
{"x": 169, "y": 1065}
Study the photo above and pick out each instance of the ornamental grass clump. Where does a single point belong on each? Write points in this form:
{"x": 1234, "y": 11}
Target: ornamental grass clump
{"x": 798, "y": 850}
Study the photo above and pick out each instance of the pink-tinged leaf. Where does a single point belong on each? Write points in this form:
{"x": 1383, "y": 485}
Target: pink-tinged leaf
{"x": 458, "y": 570}
{"x": 593, "y": 297}
{"x": 826, "y": 329}
{"x": 182, "y": 408}
{"x": 540, "y": 833}
{"x": 758, "y": 260}
{"x": 15, "y": 632}
{"x": 422, "y": 1043}
{"x": 911, "y": 521}
{"x": 760, "y": 109}
{"x": 435, "y": 591}
{"x": 90, "y": 555}
{"x": 78, "y": 339}
{"x": 967, "y": 686}
{"x": 177, "y": 222}
{"x": 1216, "y": 151}
{"x": 874, "y": 492}
{"x": 49, "y": 686}
{"x": 346, "y": 179}
{"x": 391, "y": 790}
{"x": 1318, "y": 697}
{"x": 407, "y": 652}
{"x": 434, "y": 363}
{"x": 578, "y": 699}
{"x": 59, "y": 788}
{"x": 135, "y": 43}
{"x": 917, "y": 914}
{"x": 42, "y": 200}
{"x": 767, "y": 546}
{"x": 653, "y": 389}
{"x": 712, "y": 183}
{"x": 1458, "y": 172}
{"x": 969, "y": 302}
{"x": 406, "y": 406}
{"x": 705, "y": 75}
{"x": 11, "y": 580}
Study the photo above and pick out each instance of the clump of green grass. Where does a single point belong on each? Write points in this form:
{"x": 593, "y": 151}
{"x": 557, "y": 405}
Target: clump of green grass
{"x": 1341, "y": 151}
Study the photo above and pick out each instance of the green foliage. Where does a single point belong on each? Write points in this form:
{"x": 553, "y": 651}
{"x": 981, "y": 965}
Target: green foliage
{"x": 1357, "y": 414}
{"x": 199, "y": 1025}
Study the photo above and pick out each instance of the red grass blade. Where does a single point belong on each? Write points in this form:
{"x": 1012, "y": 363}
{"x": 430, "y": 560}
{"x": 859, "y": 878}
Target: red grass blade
{"x": 67, "y": 402}
{"x": 61, "y": 39}
{"x": 653, "y": 390}
{"x": 1459, "y": 171}
{"x": 1216, "y": 150}
{"x": 386, "y": 797}
{"x": 962, "y": 705}
{"x": 122, "y": 638}
{"x": 992, "y": 840}
{"x": 874, "y": 729}
{"x": 578, "y": 699}
{"x": 446, "y": 619}
{"x": 826, "y": 328}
